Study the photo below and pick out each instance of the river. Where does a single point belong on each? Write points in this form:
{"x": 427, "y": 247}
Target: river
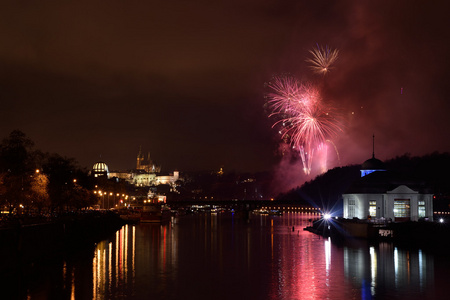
{"x": 222, "y": 256}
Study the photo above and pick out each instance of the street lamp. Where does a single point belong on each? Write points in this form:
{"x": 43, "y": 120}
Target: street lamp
{"x": 103, "y": 199}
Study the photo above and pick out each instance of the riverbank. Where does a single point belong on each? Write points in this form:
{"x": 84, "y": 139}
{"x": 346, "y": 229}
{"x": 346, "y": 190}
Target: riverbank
{"x": 22, "y": 241}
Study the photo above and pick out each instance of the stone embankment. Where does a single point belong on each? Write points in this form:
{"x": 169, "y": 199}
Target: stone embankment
{"x": 28, "y": 241}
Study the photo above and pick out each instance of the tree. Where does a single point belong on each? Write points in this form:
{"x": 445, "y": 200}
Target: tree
{"x": 80, "y": 197}
{"x": 61, "y": 174}
{"x": 16, "y": 167}
{"x": 39, "y": 189}
{"x": 16, "y": 154}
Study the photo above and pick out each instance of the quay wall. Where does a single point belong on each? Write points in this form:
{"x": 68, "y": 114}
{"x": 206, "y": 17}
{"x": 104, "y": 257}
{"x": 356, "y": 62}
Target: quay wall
{"x": 41, "y": 241}
{"x": 357, "y": 230}
{"x": 421, "y": 234}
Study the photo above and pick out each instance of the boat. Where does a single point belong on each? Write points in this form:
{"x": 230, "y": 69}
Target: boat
{"x": 261, "y": 211}
{"x": 130, "y": 215}
{"x": 155, "y": 213}
{"x": 275, "y": 212}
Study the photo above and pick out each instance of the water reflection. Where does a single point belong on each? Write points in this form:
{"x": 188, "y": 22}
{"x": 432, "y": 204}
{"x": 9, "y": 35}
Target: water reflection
{"x": 133, "y": 256}
{"x": 388, "y": 270}
{"x": 300, "y": 266}
{"x": 217, "y": 256}
{"x": 306, "y": 266}
{"x": 113, "y": 265}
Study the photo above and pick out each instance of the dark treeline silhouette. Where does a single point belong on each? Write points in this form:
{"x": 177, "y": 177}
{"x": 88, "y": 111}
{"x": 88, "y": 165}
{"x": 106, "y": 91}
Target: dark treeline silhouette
{"x": 325, "y": 191}
{"x": 433, "y": 168}
{"x": 34, "y": 182}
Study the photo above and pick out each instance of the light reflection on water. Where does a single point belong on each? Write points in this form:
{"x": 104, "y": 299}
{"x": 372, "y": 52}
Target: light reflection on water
{"x": 221, "y": 256}
{"x": 113, "y": 265}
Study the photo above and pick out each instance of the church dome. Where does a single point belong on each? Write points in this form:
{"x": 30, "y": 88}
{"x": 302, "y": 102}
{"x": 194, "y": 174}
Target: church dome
{"x": 100, "y": 169}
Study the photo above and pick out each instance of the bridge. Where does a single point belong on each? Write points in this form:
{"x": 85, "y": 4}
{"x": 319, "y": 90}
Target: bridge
{"x": 284, "y": 206}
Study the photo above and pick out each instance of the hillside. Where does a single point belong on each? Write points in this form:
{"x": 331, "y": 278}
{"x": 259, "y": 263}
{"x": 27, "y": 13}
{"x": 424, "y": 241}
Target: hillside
{"x": 325, "y": 190}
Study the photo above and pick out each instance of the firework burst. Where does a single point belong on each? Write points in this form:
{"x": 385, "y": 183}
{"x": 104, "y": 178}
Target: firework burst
{"x": 304, "y": 121}
{"x": 322, "y": 59}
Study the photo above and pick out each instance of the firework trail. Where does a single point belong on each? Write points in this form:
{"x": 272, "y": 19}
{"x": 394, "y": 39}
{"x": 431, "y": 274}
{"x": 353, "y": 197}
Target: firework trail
{"x": 305, "y": 122}
{"x": 322, "y": 59}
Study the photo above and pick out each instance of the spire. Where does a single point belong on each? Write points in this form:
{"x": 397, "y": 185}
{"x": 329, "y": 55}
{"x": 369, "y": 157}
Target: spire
{"x": 373, "y": 146}
{"x": 139, "y": 158}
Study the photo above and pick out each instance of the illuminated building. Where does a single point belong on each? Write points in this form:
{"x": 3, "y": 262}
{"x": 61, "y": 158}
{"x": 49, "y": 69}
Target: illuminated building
{"x": 146, "y": 164}
{"x": 143, "y": 178}
{"x": 385, "y": 195}
{"x": 100, "y": 169}
{"x": 147, "y": 173}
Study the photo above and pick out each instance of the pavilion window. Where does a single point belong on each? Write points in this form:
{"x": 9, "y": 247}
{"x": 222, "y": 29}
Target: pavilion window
{"x": 421, "y": 209}
{"x": 351, "y": 208}
{"x": 373, "y": 208}
{"x": 401, "y": 208}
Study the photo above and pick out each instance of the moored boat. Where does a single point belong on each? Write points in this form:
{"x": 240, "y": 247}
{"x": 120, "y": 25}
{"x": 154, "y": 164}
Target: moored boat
{"x": 261, "y": 211}
{"x": 130, "y": 215}
{"x": 155, "y": 213}
{"x": 275, "y": 212}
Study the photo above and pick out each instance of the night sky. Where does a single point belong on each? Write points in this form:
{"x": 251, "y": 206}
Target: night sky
{"x": 186, "y": 80}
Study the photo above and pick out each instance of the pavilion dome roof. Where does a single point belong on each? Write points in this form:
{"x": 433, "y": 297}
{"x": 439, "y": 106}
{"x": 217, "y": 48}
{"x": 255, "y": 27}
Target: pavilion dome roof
{"x": 373, "y": 164}
{"x": 100, "y": 167}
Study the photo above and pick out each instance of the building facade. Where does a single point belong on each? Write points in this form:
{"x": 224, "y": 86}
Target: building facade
{"x": 146, "y": 164}
{"x": 399, "y": 204}
{"x": 385, "y": 195}
{"x": 147, "y": 173}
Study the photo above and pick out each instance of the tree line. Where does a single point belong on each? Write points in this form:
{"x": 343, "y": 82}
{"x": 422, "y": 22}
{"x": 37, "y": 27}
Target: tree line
{"x": 32, "y": 181}
{"x": 326, "y": 190}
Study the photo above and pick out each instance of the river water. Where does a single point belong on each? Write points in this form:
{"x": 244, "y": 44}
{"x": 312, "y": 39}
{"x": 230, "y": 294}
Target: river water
{"x": 222, "y": 256}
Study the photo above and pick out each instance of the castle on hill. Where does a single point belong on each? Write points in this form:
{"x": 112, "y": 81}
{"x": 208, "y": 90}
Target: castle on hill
{"x": 146, "y": 173}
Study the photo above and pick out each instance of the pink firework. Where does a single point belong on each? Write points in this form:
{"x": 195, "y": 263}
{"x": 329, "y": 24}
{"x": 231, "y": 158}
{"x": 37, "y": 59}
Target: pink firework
{"x": 286, "y": 90}
{"x": 322, "y": 59}
{"x": 304, "y": 120}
